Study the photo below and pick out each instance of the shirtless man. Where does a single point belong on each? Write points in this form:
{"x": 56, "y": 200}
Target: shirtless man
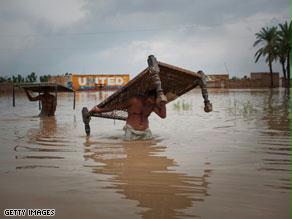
{"x": 48, "y": 101}
{"x": 139, "y": 109}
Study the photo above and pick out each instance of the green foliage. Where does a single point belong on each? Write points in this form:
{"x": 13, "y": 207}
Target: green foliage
{"x": 284, "y": 47}
{"x": 267, "y": 38}
{"x": 275, "y": 45}
{"x": 284, "y": 37}
{"x": 31, "y": 78}
{"x": 18, "y": 79}
{"x": 241, "y": 109}
{"x": 45, "y": 78}
{"x": 182, "y": 106}
{"x": 3, "y": 79}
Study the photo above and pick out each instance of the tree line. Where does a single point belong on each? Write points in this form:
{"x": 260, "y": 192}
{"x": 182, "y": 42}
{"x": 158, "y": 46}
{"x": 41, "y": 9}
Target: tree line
{"x": 31, "y": 78}
{"x": 275, "y": 46}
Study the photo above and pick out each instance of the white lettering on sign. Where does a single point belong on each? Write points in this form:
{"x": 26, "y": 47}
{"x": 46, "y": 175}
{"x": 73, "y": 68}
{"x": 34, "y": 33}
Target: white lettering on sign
{"x": 119, "y": 80}
{"x": 90, "y": 80}
{"x": 111, "y": 81}
{"x": 82, "y": 81}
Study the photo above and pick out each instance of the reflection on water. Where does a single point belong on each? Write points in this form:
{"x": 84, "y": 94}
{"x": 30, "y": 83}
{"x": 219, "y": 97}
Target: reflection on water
{"x": 140, "y": 173}
{"x": 232, "y": 163}
{"x": 274, "y": 141}
{"x": 277, "y": 111}
{"x": 270, "y": 114}
{"x": 42, "y": 143}
{"x": 182, "y": 106}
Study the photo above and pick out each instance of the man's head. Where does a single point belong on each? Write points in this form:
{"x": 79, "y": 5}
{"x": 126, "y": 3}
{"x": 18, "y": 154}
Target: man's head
{"x": 151, "y": 96}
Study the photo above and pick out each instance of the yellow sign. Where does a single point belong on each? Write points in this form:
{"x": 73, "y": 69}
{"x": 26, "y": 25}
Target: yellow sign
{"x": 96, "y": 82}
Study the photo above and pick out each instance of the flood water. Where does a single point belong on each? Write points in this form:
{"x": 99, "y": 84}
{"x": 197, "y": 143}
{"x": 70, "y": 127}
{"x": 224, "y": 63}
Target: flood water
{"x": 234, "y": 162}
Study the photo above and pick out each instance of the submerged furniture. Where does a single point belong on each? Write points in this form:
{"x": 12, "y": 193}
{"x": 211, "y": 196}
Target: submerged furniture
{"x": 166, "y": 79}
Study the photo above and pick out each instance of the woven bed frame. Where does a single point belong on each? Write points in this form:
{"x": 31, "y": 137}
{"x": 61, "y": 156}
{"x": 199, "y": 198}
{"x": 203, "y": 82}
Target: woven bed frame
{"x": 169, "y": 79}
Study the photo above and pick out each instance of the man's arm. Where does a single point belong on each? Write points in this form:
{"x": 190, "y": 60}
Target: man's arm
{"x": 30, "y": 97}
{"x": 160, "y": 110}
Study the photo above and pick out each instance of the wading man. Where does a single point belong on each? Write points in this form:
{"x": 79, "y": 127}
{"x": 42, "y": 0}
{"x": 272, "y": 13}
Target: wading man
{"x": 139, "y": 109}
{"x": 48, "y": 102}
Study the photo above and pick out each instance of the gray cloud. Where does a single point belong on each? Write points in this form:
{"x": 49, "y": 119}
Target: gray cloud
{"x": 116, "y": 36}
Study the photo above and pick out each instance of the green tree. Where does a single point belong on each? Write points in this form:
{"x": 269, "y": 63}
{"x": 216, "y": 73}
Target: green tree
{"x": 267, "y": 38}
{"x": 284, "y": 48}
{"x": 31, "y": 78}
{"x": 19, "y": 79}
{"x": 2, "y": 79}
{"x": 14, "y": 79}
{"x": 45, "y": 78}
{"x": 282, "y": 57}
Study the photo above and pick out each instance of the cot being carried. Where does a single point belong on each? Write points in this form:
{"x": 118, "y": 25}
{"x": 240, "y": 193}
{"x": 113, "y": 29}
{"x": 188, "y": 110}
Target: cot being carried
{"x": 169, "y": 82}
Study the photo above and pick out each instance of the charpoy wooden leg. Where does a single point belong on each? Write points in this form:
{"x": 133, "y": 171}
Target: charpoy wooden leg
{"x": 86, "y": 119}
{"x": 203, "y": 85}
{"x": 154, "y": 72}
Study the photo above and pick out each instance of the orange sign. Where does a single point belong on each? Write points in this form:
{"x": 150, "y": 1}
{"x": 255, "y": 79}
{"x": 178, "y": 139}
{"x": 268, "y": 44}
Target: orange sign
{"x": 96, "y": 82}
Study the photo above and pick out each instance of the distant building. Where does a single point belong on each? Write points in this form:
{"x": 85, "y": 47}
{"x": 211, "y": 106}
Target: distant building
{"x": 218, "y": 80}
{"x": 6, "y": 86}
{"x": 256, "y": 80}
{"x": 65, "y": 80}
{"x": 264, "y": 76}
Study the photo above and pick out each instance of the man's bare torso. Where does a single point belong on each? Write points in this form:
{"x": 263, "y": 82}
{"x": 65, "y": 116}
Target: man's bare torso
{"x": 48, "y": 105}
{"x": 138, "y": 112}
{"x": 139, "y": 109}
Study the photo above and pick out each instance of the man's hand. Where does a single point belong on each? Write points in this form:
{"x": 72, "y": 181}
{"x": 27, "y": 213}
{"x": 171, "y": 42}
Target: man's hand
{"x": 161, "y": 98}
{"x": 160, "y": 109}
{"x": 161, "y": 104}
{"x": 30, "y": 97}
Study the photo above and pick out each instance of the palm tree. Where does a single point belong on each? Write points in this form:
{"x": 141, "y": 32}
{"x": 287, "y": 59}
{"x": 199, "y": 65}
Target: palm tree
{"x": 267, "y": 37}
{"x": 285, "y": 46}
{"x": 282, "y": 56}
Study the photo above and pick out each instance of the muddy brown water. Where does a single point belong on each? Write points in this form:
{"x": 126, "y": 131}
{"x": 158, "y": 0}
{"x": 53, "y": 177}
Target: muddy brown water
{"x": 232, "y": 163}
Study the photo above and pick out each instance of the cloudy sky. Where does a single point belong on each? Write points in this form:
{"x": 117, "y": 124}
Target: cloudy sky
{"x": 116, "y": 36}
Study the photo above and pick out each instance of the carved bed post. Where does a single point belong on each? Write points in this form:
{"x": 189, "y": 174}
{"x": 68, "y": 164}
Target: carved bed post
{"x": 154, "y": 74}
{"x": 203, "y": 85}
